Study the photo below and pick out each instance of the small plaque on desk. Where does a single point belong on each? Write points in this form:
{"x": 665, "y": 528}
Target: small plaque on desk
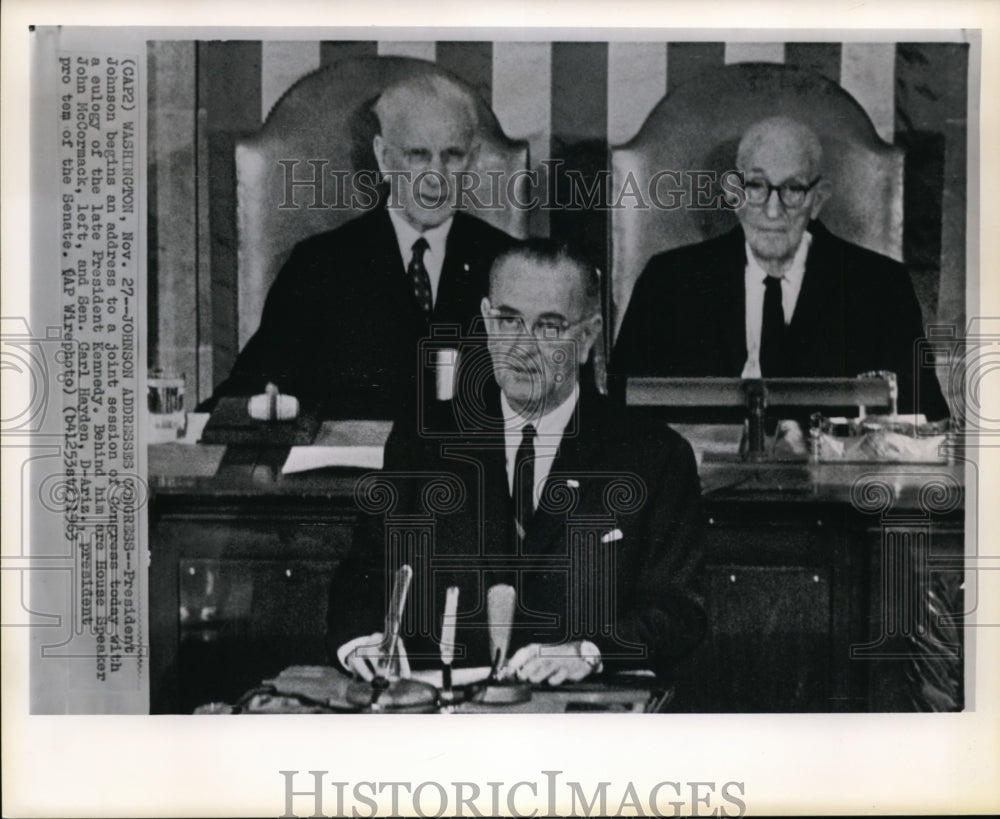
{"x": 358, "y": 444}
{"x": 231, "y": 423}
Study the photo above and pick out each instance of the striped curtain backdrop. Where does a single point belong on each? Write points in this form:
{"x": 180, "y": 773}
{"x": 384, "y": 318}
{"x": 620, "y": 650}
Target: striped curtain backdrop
{"x": 569, "y": 100}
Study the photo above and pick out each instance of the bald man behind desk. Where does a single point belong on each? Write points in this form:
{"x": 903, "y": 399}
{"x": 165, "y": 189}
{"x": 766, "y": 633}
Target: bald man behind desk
{"x": 835, "y": 309}
{"x": 591, "y": 514}
{"x": 344, "y": 317}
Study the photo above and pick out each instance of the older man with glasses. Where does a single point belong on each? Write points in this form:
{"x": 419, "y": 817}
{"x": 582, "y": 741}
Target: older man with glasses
{"x": 779, "y": 295}
{"x": 343, "y": 320}
{"x": 588, "y": 511}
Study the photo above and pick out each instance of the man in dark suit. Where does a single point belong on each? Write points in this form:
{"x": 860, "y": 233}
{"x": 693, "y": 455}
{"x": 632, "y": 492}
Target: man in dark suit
{"x": 592, "y": 515}
{"x": 779, "y": 295}
{"x": 343, "y": 319}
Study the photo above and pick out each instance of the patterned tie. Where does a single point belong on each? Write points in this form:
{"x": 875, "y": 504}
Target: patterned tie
{"x": 772, "y": 330}
{"x": 524, "y": 480}
{"x": 421, "y": 281}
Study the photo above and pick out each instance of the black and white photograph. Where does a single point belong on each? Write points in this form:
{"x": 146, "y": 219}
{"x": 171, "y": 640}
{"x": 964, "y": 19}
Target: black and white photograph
{"x": 615, "y": 397}
{"x": 352, "y": 210}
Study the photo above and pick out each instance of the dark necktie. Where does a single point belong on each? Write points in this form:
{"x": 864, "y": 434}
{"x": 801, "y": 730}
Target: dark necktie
{"x": 421, "y": 281}
{"x": 524, "y": 480}
{"x": 772, "y": 330}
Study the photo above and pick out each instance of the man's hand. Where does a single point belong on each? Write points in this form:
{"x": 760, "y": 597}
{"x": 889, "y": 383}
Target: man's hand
{"x": 272, "y": 405}
{"x": 554, "y": 663}
{"x": 362, "y": 656}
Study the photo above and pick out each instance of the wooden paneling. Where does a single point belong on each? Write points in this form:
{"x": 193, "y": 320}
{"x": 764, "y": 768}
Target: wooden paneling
{"x": 246, "y": 620}
{"x": 236, "y": 597}
{"x": 769, "y": 644}
{"x": 771, "y": 587}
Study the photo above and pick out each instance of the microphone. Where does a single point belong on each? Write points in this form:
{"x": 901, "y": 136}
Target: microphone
{"x": 500, "y": 602}
{"x": 448, "y": 641}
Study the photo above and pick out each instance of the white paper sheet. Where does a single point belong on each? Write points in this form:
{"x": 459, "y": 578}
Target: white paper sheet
{"x": 359, "y": 444}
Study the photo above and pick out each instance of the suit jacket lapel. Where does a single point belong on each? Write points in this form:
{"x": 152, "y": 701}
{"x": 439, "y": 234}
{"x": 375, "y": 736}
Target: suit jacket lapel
{"x": 387, "y": 262}
{"x": 817, "y": 296}
{"x": 486, "y": 448}
{"x": 731, "y": 327}
{"x": 459, "y": 290}
{"x": 384, "y": 245}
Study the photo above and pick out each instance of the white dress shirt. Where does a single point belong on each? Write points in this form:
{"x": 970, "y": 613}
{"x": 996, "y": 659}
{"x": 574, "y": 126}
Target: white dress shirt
{"x": 753, "y": 284}
{"x": 437, "y": 239}
{"x": 548, "y": 434}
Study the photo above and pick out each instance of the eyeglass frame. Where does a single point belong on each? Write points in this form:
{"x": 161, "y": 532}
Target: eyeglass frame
{"x": 424, "y": 164}
{"x": 784, "y": 186}
{"x": 563, "y": 329}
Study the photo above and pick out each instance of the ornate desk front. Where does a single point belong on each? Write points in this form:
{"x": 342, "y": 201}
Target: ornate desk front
{"x": 828, "y": 588}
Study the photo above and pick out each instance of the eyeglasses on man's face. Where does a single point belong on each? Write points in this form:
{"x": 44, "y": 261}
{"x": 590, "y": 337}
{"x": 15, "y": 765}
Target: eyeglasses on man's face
{"x": 792, "y": 194}
{"x": 452, "y": 158}
{"x": 502, "y": 322}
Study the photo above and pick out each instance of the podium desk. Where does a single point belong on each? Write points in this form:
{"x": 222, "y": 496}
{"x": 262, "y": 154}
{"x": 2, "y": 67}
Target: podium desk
{"x": 819, "y": 582}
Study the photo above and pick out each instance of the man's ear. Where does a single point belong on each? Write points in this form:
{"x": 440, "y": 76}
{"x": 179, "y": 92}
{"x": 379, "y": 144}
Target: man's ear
{"x": 591, "y": 333}
{"x": 378, "y": 148}
{"x": 822, "y": 192}
{"x": 484, "y": 307}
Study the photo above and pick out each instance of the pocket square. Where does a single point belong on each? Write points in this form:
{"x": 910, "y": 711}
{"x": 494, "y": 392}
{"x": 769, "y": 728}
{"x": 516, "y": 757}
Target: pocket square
{"x": 612, "y": 536}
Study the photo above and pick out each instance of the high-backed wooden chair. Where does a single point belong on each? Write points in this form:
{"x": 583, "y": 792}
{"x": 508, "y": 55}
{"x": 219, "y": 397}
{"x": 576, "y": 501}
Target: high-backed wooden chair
{"x": 322, "y": 128}
{"x": 697, "y": 127}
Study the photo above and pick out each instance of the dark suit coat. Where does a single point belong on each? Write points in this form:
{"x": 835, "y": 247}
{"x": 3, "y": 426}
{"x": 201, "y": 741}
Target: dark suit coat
{"x": 341, "y": 325}
{"x": 856, "y": 312}
{"x": 613, "y": 474}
